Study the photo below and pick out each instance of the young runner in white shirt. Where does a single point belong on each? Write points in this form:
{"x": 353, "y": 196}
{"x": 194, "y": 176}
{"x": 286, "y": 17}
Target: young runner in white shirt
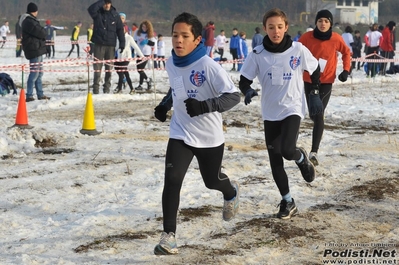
{"x": 199, "y": 91}
{"x": 279, "y": 64}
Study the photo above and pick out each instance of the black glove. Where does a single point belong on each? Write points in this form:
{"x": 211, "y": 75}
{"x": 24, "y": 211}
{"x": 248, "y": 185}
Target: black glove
{"x": 249, "y": 95}
{"x": 160, "y": 112}
{"x": 315, "y": 103}
{"x": 121, "y": 49}
{"x": 195, "y": 107}
{"x": 343, "y": 76}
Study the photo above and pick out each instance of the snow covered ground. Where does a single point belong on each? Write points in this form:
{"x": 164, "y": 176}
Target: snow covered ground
{"x": 69, "y": 198}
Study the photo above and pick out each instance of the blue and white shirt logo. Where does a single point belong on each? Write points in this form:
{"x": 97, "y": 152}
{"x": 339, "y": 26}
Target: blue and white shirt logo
{"x": 197, "y": 78}
{"x": 295, "y": 62}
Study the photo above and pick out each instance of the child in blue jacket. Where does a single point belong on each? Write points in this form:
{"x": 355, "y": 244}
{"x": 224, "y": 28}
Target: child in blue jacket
{"x": 242, "y": 50}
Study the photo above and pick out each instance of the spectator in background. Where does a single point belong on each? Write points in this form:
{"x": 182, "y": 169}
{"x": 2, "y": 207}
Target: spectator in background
{"x": 161, "y": 50}
{"x": 221, "y": 41}
{"x": 18, "y": 36}
{"x": 234, "y": 41}
{"x": 50, "y": 37}
{"x": 257, "y": 39}
{"x": 337, "y": 29}
{"x": 4, "y": 30}
{"x": 75, "y": 39}
{"x": 242, "y": 51}
{"x": 373, "y": 39}
{"x": 145, "y": 38}
{"x": 107, "y": 29}
{"x": 309, "y": 28}
{"x": 357, "y": 49}
{"x": 387, "y": 45}
{"x": 298, "y": 35}
{"x": 124, "y": 56}
{"x": 209, "y": 38}
{"x": 348, "y": 38}
{"x": 89, "y": 36}
{"x": 34, "y": 45}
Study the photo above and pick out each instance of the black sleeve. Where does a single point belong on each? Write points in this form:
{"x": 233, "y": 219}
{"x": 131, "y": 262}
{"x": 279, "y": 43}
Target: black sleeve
{"x": 315, "y": 77}
{"x": 167, "y": 101}
{"x": 95, "y": 8}
{"x": 245, "y": 84}
{"x": 223, "y": 103}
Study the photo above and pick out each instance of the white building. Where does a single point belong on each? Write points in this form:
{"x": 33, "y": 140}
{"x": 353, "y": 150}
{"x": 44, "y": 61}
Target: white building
{"x": 345, "y": 11}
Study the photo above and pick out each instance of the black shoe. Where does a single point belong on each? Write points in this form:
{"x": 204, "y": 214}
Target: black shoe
{"x": 306, "y": 167}
{"x": 29, "y": 99}
{"x": 117, "y": 90}
{"x": 44, "y": 97}
{"x": 287, "y": 209}
{"x": 139, "y": 88}
{"x": 149, "y": 83}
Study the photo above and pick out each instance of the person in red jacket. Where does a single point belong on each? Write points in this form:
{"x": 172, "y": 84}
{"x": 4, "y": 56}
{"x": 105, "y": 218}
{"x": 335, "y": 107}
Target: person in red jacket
{"x": 387, "y": 44}
{"x": 209, "y": 38}
{"x": 324, "y": 44}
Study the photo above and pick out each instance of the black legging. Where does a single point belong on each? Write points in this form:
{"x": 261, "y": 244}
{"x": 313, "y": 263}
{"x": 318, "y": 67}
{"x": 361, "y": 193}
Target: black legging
{"x": 178, "y": 157}
{"x": 122, "y": 71}
{"x": 73, "y": 46}
{"x": 234, "y": 53}
{"x": 318, "y": 120}
{"x": 281, "y": 138}
{"x": 140, "y": 68}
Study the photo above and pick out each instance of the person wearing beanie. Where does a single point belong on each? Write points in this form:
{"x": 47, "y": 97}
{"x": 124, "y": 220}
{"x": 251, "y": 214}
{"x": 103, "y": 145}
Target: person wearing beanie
{"x": 32, "y": 8}
{"x": 34, "y": 46}
{"x": 50, "y": 37}
{"x": 107, "y": 28}
{"x": 387, "y": 45}
{"x": 324, "y": 44}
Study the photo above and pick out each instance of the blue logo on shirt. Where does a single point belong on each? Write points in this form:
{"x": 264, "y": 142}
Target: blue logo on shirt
{"x": 197, "y": 78}
{"x": 295, "y": 62}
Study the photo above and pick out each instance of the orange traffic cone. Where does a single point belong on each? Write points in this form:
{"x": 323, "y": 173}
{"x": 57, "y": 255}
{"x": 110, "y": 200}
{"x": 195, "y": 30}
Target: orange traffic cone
{"x": 89, "y": 124}
{"x": 21, "y": 120}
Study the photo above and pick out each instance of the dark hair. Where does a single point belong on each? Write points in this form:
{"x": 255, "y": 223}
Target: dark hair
{"x": 189, "y": 19}
{"x": 160, "y": 35}
{"x": 357, "y": 31}
{"x": 275, "y": 12}
{"x": 257, "y": 29}
{"x": 348, "y": 29}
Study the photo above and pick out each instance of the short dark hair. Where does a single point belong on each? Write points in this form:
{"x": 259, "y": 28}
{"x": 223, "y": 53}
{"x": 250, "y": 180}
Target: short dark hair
{"x": 257, "y": 29}
{"x": 189, "y": 19}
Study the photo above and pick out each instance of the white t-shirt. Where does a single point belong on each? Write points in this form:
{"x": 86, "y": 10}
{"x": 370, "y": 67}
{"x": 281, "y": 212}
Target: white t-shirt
{"x": 4, "y": 30}
{"x": 348, "y": 38}
{"x": 161, "y": 48}
{"x": 220, "y": 41}
{"x": 203, "y": 79}
{"x": 374, "y": 38}
{"x": 281, "y": 77}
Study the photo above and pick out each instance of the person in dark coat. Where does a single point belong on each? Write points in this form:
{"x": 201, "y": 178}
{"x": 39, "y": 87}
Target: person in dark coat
{"x": 34, "y": 46}
{"x": 18, "y": 36}
{"x": 257, "y": 39}
{"x": 107, "y": 28}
